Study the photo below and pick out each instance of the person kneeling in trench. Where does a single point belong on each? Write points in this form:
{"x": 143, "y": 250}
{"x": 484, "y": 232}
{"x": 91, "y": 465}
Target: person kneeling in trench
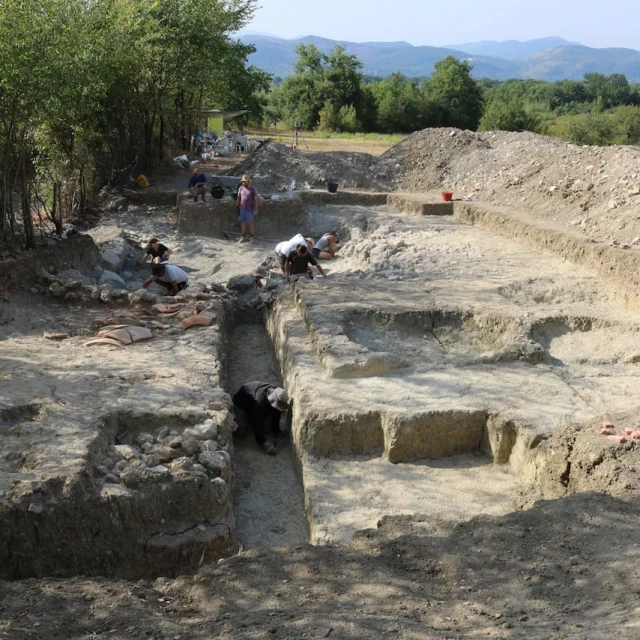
{"x": 325, "y": 248}
{"x": 173, "y": 278}
{"x": 257, "y": 406}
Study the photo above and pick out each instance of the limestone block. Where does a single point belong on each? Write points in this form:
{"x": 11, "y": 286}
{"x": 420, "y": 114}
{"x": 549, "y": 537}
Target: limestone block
{"x": 164, "y": 454}
{"x": 131, "y": 476}
{"x": 111, "y": 278}
{"x": 205, "y": 431}
{"x": 213, "y": 460}
{"x": 126, "y": 451}
{"x": 190, "y": 445}
{"x": 111, "y": 260}
{"x": 142, "y": 296}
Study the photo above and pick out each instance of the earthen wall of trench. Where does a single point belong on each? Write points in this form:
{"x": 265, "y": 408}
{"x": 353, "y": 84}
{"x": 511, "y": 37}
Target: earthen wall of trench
{"x": 23, "y": 271}
{"x": 276, "y": 218}
{"x": 617, "y": 268}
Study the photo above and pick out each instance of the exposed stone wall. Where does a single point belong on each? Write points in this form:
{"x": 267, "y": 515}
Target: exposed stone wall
{"x": 276, "y": 218}
{"x": 362, "y": 198}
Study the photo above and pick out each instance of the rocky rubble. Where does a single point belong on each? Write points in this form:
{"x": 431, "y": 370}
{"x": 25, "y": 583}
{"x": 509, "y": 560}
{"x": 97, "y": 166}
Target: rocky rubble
{"x": 201, "y": 450}
{"x": 275, "y": 165}
{"x": 591, "y": 189}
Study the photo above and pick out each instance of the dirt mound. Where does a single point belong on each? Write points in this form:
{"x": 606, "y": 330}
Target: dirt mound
{"x": 275, "y": 165}
{"x": 594, "y": 189}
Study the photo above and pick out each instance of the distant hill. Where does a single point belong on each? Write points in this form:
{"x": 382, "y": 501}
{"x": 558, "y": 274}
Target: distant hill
{"x": 532, "y": 59}
{"x": 567, "y": 63}
{"x": 511, "y": 49}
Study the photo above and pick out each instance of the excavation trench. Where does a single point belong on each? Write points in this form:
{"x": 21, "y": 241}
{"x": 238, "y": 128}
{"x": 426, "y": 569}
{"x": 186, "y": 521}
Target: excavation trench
{"x": 431, "y": 373}
{"x": 297, "y": 496}
{"x": 269, "y": 503}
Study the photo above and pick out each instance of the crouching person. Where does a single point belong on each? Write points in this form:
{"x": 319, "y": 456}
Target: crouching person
{"x": 325, "y": 248}
{"x": 257, "y": 407}
{"x": 173, "y": 278}
{"x": 300, "y": 261}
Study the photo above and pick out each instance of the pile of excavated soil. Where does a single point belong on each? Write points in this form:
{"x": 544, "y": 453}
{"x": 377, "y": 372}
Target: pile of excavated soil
{"x": 594, "y": 189}
{"x": 274, "y": 166}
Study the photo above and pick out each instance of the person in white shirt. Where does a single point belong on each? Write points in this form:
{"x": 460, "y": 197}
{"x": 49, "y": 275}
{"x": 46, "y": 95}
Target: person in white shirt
{"x": 169, "y": 276}
{"x": 284, "y": 249}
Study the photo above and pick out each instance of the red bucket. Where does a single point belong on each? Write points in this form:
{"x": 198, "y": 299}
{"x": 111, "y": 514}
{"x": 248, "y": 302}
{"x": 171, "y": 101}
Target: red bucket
{"x": 447, "y": 195}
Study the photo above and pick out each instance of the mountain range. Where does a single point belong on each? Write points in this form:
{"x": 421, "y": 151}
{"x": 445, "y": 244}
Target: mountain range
{"x": 542, "y": 59}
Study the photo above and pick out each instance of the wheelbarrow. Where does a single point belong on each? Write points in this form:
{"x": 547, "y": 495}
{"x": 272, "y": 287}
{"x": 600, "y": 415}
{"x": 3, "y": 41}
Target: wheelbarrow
{"x": 224, "y": 184}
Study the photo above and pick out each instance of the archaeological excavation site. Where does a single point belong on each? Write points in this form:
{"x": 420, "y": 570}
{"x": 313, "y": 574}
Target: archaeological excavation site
{"x": 460, "y": 457}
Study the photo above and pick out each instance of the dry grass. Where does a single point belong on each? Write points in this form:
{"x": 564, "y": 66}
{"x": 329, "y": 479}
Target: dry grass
{"x": 375, "y": 145}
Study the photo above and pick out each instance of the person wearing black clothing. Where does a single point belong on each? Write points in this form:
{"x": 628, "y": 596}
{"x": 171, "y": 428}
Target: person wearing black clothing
{"x": 258, "y": 406}
{"x": 158, "y": 252}
{"x": 298, "y": 262}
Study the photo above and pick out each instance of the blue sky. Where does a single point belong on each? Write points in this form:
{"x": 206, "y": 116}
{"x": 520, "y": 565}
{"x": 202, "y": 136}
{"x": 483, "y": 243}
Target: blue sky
{"x": 594, "y": 23}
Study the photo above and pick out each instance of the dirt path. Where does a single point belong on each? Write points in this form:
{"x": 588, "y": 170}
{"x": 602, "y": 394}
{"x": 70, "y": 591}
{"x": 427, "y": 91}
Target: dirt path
{"x": 269, "y": 503}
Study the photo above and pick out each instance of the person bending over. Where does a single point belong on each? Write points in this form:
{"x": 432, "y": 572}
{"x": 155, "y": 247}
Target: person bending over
{"x": 325, "y": 248}
{"x": 197, "y": 185}
{"x": 157, "y": 251}
{"x": 173, "y": 278}
{"x": 283, "y": 249}
{"x": 300, "y": 261}
{"x": 257, "y": 406}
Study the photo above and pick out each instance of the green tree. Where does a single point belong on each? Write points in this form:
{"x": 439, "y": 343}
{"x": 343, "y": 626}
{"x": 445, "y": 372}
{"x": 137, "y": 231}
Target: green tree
{"x": 87, "y": 88}
{"x": 300, "y": 97}
{"x": 324, "y": 90}
{"x": 457, "y": 97}
{"x": 507, "y": 116}
{"x": 626, "y": 120}
{"x": 402, "y": 104}
{"x": 585, "y": 129}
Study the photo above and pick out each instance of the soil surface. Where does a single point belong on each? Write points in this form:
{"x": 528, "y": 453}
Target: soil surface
{"x": 437, "y": 552}
{"x": 566, "y": 569}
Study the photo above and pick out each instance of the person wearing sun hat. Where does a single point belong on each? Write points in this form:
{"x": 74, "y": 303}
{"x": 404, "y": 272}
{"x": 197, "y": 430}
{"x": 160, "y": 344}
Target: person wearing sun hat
{"x": 247, "y": 204}
{"x": 258, "y": 406}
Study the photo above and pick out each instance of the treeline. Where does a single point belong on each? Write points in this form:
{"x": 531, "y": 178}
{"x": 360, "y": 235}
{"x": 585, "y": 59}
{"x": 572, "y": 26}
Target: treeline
{"x": 330, "y": 92}
{"x": 91, "y": 89}
{"x": 597, "y": 110}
